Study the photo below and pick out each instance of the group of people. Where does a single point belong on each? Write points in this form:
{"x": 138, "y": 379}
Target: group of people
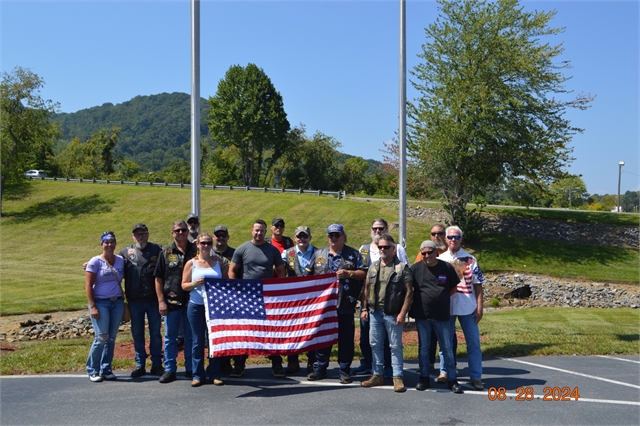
{"x": 442, "y": 285}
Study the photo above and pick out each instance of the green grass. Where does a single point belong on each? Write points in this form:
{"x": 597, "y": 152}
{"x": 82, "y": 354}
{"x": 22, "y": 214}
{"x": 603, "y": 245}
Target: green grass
{"x": 516, "y": 332}
{"x": 583, "y": 216}
{"x": 49, "y": 229}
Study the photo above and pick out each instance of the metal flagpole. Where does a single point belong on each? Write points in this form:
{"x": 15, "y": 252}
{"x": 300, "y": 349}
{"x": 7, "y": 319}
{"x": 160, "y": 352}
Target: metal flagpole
{"x": 402, "y": 139}
{"x": 195, "y": 107}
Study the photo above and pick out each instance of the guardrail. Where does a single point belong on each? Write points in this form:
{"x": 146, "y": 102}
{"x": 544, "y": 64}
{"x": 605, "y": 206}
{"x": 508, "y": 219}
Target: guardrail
{"x": 319, "y": 192}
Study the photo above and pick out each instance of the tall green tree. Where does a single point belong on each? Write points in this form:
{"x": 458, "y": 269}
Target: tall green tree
{"x": 26, "y": 128}
{"x": 353, "y": 175}
{"x": 91, "y": 159}
{"x": 248, "y": 112}
{"x": 492, "y": 100}
{"x": 569, "y": 191}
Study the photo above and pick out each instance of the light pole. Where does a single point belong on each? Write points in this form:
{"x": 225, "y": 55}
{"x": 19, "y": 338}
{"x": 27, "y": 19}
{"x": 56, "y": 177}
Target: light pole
{"x": 620, "y": 164}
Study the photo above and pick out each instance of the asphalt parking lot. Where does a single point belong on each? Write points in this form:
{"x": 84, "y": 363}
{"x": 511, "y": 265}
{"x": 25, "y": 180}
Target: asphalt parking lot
{"x": 527, "y": 390}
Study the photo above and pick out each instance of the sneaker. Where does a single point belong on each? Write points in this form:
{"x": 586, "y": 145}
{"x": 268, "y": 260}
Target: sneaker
{"x": 455, "y": 387}
{"x": 167, "y": 377}
{"x": 109, "y": 376}
{"x": 362, "y": 370}
{"x": 157, "y": 370}
{"x": 188, "y": 374}
{"x": 292, "y": 367}
{"x": 477, "y": 384}
{"x": 218, "y": 382}
{"x": 345, "y": 379}
{"x": 423, "y": 384}
{"x": 375, "y": 380}
{"x": 96, "y": 378}
{"x": 398, "y": 384}
{"x": 317, "y": 375}
{"x": 442, "y": 378}
{"x": 196, "y": 383}
{"x": 138, "y": 372}
{"x": 237, "y": 371}
{"x": 278, "y": 371}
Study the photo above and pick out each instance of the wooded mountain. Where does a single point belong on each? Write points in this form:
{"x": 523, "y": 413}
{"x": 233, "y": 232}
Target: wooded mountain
{"x": 156, "y": 129}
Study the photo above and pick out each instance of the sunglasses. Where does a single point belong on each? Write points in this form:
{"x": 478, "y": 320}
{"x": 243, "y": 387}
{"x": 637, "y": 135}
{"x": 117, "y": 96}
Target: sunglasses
{"x": 437, "y": 233}
{"x": 427, "y": 253}
{"x": 334, "y": 235}
{"x": 279, "y": 225}
{"x": 378, "y": 228}
{"x": 140, "y": 234}
{"x": 181, "y": 230}
{"x": 453, "y": 237}
{"x": 221, "y": 235}
{"x": 206, "y": 243}
{"x": 384, "y": 247}
{"x": 302, "y": 236}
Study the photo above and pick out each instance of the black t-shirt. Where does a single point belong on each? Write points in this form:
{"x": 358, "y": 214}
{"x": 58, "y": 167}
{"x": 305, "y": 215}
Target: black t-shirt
{"x": 431, "y": 290}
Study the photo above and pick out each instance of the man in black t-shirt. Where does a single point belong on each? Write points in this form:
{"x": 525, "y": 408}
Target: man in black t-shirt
{"x": 434, "y": 281}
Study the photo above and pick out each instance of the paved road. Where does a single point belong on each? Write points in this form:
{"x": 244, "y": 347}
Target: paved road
{"x": 609, "y": 389}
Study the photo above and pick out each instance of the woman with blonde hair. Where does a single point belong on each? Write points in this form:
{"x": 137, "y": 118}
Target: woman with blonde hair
{"x": 200, "y": 267}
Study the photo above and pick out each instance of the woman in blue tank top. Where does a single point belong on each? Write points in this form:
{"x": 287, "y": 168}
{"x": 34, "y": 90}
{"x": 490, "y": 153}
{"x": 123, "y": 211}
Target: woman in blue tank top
{"x": 201, "y": 267}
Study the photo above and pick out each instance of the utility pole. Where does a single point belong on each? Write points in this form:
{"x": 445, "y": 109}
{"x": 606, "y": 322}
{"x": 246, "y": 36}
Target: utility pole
{"x": 620, "y": 164}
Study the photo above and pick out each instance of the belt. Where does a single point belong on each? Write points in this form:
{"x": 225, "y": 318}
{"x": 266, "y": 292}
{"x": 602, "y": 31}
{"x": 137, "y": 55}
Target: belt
{"x": 112, "y": 298}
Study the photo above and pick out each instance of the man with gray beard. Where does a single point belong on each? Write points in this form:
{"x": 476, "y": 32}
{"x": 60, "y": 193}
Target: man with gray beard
{"x": 370, "y": 254}
{"x": 140, "y": 260}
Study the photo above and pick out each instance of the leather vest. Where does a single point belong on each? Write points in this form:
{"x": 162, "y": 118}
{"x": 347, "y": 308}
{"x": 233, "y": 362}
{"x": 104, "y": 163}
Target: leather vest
{"x": 292, "y": 263}
{"x": 349, "y": 290}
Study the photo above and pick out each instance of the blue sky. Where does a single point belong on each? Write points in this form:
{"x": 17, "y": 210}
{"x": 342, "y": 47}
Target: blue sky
{"x": 334, "y": 62}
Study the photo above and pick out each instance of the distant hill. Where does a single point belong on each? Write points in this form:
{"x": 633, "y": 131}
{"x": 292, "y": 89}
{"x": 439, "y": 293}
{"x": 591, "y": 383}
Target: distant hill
{"x": 156, "y": 129}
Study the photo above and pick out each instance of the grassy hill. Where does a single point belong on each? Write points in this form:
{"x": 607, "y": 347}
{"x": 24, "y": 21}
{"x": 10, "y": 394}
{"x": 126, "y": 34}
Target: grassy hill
{"x": 49, "y": 229}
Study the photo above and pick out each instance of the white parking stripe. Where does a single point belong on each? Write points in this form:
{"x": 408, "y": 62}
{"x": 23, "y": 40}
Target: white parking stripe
{"x": 602, "y": 379}
{"x": 619, "y": 359}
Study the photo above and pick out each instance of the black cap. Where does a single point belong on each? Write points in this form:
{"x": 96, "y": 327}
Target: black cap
{"x": 140, "y": 226}
{"x": 277, "y": 220}
{"x": 192, "y": 216}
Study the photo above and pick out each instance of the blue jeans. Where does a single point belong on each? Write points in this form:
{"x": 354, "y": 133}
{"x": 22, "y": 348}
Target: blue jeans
{"x": 138, "y": 311}
{"x": 171, "y": 329}
{"x": 365, "y": 347}
{"x": 106, "y": 330}
{"x": 443, "y": 331}
{"x": 381, "y": 326}
{"x": 198, "y": 322}
{"x": 472, "y": 336}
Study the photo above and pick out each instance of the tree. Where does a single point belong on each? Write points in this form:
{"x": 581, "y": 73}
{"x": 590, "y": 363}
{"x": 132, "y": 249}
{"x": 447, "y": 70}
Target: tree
{"x": 27, "y": 130}
{"x": 353, "y": 175}
{"x": 569, "y": 191}
{"x": 489, "y": 107}
{"x": 92, "y": 159}
{"x": 247, "y": 112}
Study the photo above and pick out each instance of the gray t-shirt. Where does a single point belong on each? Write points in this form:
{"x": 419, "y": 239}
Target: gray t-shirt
{"x": 257, "y": 261}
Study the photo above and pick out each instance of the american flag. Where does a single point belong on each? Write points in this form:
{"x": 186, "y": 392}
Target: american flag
{"x": 272, "y": 316}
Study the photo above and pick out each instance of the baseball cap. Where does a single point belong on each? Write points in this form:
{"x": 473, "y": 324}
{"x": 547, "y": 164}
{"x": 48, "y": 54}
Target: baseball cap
{"x": 428, "y": 244}
{"x": 220, "y": 228}
{"x": 140, "y": 226}
{"x": 277, "y": 220}
{"x": 302, "y": 230}
{"x": 335, "y": 227}
{"x": 192, "y": 216}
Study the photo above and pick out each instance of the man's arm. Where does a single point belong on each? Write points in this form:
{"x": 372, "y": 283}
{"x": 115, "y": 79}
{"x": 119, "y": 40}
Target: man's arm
{"x": 280, "y": 271}
{"x": 162, "y": 305}
{"x": 234, "y": 271}
{"x": 408, "y": 296}
{"x": 477, "y": 288}
{"x": 364, "y": 312}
